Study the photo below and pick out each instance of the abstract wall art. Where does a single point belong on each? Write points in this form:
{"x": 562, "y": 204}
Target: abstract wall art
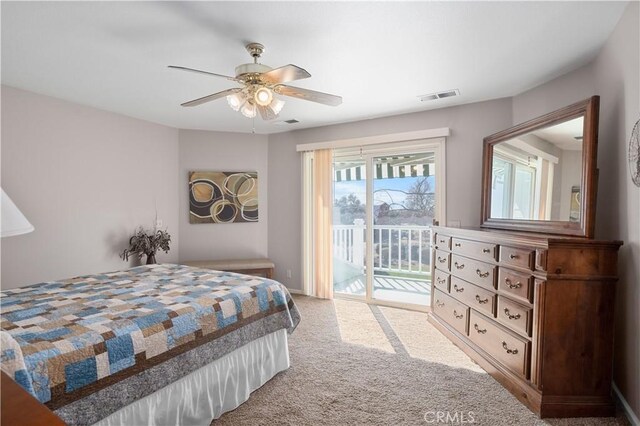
{"x": 223, "y": 197}
{"x": 574, "y": 212}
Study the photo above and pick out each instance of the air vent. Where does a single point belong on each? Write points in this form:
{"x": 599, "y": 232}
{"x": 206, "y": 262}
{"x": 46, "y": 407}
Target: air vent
{"x": 429, "y": 97}
{"x": 439, "y": 95}
{"x": 285, "y": 122}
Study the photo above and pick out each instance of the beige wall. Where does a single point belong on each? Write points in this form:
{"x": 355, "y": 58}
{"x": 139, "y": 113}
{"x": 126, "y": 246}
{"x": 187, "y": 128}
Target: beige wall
{"x": 562, "y": 91}
{"x": 219, "y": 151}
{"x": 85, "y": 179}
{"x": 617, "y": 71}
{"x": 468, "y": 124}
{"x": 614, "y": 75}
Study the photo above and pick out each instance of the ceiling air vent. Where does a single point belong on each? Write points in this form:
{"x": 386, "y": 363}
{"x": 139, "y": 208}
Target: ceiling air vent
{"x": 439, "y": 95}
{"x": 285, "y": 122}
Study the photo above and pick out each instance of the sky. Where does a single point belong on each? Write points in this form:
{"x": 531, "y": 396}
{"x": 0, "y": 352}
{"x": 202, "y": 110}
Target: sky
{"x": 392, "y": 195}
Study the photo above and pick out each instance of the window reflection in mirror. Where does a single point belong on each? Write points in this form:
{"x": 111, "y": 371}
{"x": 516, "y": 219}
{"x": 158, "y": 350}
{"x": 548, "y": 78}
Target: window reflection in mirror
{"x": 537, "y": 176}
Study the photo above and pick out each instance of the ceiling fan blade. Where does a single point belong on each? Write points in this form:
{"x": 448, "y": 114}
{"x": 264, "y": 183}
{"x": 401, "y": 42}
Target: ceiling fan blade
{"x": 210, "y": 98}
{"x": 266, "y": 113}
{"x": 284, "y": 74}
{"x": 309, "y": 95}
{"x": 203, "y": 72}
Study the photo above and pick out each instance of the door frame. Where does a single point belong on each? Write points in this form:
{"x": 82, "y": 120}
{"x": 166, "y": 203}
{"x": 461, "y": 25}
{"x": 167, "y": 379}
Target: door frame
{"x": 435, "y": 145}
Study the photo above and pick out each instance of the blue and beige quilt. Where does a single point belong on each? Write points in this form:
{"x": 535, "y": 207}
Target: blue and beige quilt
{"x": 65, "y": 340}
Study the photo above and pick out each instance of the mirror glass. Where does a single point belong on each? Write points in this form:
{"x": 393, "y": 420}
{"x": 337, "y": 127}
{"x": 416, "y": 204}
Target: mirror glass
{"x": 538, "y": 175}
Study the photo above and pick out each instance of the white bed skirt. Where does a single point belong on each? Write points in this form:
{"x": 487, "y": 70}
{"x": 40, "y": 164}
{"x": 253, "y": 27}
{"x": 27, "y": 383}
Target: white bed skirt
{"x": 211, "y": 391}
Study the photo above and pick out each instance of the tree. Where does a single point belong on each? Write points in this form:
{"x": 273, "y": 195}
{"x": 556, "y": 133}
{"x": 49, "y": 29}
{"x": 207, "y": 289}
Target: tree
{"x": 351, "y": 208}
{"x": 420, "y": 198}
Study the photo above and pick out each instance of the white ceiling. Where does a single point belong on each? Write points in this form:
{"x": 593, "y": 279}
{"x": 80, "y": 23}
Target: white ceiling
{"x": 378, "y": 55}
{"x": 563, "y": 135}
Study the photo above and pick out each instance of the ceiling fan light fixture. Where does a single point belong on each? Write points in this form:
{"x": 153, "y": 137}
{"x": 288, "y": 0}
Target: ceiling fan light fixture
{"x": 260, "y": 84}
{"x": 276, "y": 105}
{"x": 249, "y": 110}
{"x": 263, "y": 96}
{"x": 235, "y": 101}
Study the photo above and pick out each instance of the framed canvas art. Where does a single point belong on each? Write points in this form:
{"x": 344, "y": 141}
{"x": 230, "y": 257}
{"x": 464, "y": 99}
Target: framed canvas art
{"x": 223, "y": 197}
{"x": 574, "y": 212}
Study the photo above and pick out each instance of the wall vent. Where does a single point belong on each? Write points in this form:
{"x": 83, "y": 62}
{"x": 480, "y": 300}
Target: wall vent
{"x": 439, "y": 95}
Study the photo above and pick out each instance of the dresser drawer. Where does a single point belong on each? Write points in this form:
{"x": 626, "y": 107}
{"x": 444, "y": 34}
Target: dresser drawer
{"x": 477, "y": 297}
{"x": 453, "y": 312}
{"x": 475, "y": 249}
{"x": 441, "y": 280}
{"x": 516, "y": 285}
{"x": 514, "y": 315}
{"x": 508, "y": 348}
{"x": 442, "y": 242}
{"x": 442, "y": 260}
{"x": 521, "y": 258}
{"x": 474, "y": 271}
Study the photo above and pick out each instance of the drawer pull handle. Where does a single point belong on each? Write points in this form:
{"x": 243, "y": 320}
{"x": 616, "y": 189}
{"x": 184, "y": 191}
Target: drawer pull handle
{"x": 513, "y": 256}
{"x": 442, "y": 241}
{"x": 511, "y": 285}
{"x": 457, "y": 244}
{"x": 482, "y": 301}
{"x": 478, "y": 329}
{"x": 482, "y": 274}
{"x": 509, "y": 351}
{"x": 442, "y": 259}
{"x": 511, "y": 317}
{"x": 439, "y": 303}
{"x": 457, "y": 289}
{"x": 459, "y": 265}
{"x": 441, "y": 280}
{"x": 486, "y": 251}
{"x": 455, "y": 314}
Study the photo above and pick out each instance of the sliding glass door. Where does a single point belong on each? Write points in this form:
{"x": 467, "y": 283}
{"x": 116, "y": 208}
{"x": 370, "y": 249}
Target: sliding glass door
{"x": 349, "y": 218}
{"x": 403, "y": 212}
{"x": 385, "y": 202}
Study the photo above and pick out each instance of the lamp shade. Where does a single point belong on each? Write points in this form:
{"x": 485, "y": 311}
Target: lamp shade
{"x": 12, "y": 221}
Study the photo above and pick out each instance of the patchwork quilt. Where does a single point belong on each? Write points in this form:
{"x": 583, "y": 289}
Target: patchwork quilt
{"x": 65, "y": 340}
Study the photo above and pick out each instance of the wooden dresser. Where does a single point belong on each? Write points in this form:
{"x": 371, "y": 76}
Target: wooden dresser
{"x": 534, "y": 310}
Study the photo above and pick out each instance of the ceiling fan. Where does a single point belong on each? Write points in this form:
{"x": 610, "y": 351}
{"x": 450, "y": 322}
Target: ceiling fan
{"x": 261, "y": 86}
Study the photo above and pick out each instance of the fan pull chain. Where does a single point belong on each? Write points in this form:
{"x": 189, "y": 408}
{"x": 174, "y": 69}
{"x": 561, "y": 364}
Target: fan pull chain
{"x": 253, "y": 125}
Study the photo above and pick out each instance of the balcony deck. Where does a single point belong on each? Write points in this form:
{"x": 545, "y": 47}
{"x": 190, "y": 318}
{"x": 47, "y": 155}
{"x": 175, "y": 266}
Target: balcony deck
{"x": 390, "y": 288}
{"x": 401, "y": 262}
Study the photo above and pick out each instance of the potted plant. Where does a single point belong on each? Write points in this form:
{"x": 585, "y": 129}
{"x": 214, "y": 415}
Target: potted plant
{"x": 147, "y": 243}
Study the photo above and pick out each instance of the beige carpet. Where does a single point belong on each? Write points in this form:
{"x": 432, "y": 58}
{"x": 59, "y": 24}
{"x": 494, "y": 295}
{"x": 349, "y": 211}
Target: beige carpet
{"x": 354, "y": 364}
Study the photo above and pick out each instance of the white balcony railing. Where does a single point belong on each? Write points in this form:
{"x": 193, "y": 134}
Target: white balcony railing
{"x": 400, "y": 248}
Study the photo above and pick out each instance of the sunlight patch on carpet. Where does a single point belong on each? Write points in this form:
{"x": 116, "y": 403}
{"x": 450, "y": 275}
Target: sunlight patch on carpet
{"x": 423, "y": 341}
{"x": 358, "y": 326}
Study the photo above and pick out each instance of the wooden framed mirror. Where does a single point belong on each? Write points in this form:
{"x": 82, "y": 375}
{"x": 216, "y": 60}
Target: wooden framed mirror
{"x": 541, "y": 175}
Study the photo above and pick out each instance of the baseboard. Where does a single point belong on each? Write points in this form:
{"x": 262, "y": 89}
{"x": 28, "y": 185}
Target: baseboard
{"x": 295, "y": 291}
{"x": 631, "y": 416}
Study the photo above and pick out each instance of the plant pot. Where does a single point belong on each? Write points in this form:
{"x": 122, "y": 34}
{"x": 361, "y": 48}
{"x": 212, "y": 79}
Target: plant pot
{"x": 151, "y": 259}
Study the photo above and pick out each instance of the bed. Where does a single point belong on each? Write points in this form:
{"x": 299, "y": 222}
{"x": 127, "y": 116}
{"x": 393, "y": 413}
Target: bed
{"x": 154, "y": 344}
